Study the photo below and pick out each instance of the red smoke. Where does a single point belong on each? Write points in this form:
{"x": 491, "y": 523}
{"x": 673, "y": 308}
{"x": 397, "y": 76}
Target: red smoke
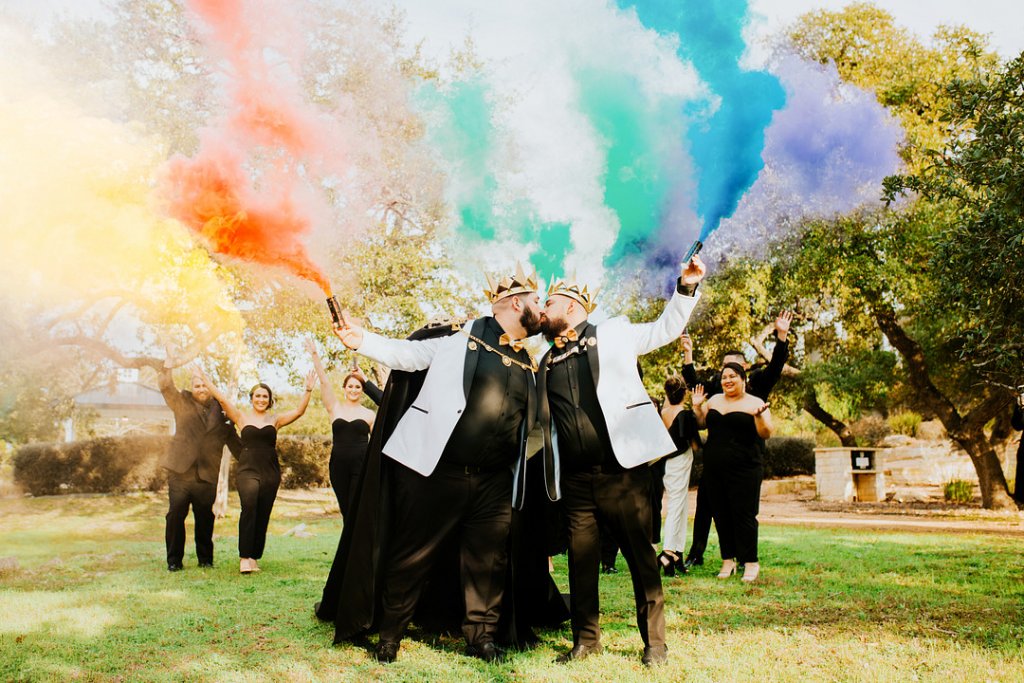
{"x": 211, "y": 194}
{"x": 269, "y": 131}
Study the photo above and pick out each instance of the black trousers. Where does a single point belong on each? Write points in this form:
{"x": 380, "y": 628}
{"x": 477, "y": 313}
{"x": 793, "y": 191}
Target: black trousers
{"x": 609, "y": 548}
{"x": 257, "y": 493}
{"x": 701, "y": 517}
{"x": 623, "y": 500}
{"x": 736, "y": 499}
{"x": 475, "y": 509}
{"x": 184, "y": 490}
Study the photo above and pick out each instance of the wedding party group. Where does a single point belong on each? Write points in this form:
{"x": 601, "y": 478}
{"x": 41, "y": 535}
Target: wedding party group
{"x": 483, "y": 461}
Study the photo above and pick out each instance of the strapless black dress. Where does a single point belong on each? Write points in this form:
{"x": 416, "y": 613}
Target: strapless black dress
{"x": 259, "y": 451}
{"x": 348, "y": 454}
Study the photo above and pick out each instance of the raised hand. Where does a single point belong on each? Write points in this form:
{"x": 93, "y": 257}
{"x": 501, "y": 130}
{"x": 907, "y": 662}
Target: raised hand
{"x": 782, "y": 324}
{"x": 686, "y": 343}
{"x": 311, "y": 380}
{"x": 693, "y": 272}
{"x": 311, "y": 347}
{"x": 764, "y": 407}
{"x": 699, "y": 397}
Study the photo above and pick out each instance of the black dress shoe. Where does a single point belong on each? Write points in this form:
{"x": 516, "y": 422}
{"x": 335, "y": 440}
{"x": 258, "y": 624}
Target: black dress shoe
{"x": 609, "y": 569}
{"x": 206, "y": 565}
{"x": 579, "y": 652}
{"x": 693, "y": 562}
{"x": 174, "y": 567}
{"x": 653, "y": 656}
{"x": 386, "y": 651}
{"x": 489, "y": 652}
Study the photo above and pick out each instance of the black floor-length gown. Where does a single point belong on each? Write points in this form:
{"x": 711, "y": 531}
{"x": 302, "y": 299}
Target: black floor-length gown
{"x": 348, "y": 454}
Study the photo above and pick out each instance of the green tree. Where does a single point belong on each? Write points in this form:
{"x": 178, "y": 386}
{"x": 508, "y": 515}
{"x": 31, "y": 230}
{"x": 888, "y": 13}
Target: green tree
{"x": 871, "y": 270}
{"x": 979, "y": 256}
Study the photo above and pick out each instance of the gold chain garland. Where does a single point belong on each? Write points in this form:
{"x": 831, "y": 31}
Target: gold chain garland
{"x": 506, "y": 360}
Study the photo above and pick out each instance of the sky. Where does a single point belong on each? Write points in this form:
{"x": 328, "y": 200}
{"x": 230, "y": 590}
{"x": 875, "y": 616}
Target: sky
{"x": 445, "y": 22}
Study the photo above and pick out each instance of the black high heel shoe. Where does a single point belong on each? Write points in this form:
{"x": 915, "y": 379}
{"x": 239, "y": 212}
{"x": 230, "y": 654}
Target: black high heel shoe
{"x": 670, "y": 562}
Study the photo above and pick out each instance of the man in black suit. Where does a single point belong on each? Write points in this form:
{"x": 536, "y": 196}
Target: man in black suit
{"x": 458, "y": 459}
{"x": 201, "y": 430}
{"x": 760, "y": 383}
{"x": 601, "y": 431}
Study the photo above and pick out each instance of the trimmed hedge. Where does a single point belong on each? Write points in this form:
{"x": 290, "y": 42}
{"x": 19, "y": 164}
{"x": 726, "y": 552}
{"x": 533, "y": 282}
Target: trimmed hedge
{"x": 104, "y": 465}
{"x": 788, "y": 456}
{"x": 130, "y": 463}
{"x": 785, "y": 456}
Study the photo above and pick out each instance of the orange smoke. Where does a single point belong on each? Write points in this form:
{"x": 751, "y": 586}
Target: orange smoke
{"x": 212, "y": 196}
{"x": 268, "y": 132}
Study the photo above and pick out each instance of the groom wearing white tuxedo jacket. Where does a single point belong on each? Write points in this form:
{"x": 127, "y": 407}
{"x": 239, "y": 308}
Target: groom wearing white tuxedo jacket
{"x": 459, "y": 451}
{"x": 601, "y": 431}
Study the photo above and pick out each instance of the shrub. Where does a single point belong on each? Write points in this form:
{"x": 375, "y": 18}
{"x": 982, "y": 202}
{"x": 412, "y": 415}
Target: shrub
{"x": 304, "y": 461}
{"x": 130, "y": 463}
{"x": 109, "y": 464}
{"x": 904, "y": 422}
{"x": 958, "y": 491}
{"x": 786, "y": 456}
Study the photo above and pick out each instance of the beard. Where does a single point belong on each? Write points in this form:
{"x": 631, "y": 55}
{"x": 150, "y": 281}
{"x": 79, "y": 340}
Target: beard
{"x": 530, "y": 321}
{"x": 552, "y": 327}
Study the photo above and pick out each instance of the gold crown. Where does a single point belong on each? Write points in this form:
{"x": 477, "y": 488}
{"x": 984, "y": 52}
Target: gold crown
{"x": 519, "y": 282}
{"x": 570, "y": 288}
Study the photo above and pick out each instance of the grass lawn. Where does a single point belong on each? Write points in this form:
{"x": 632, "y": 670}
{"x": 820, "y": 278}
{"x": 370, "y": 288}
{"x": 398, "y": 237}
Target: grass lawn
{"x": 91, "y": 599}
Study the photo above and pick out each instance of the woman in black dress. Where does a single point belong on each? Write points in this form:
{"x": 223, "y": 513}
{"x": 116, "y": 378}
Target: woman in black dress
{"x": 258, "y": 474}
{"x": 736, "y": 422}
{"x": 351, "y": 423}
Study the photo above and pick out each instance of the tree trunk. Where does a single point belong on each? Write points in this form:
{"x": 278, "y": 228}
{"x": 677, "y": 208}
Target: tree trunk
{"x": 220, "y": 503}
{"x": 967, "y": 432}
{"x": 818, "y": 412}
{"x": 995, "y": 494}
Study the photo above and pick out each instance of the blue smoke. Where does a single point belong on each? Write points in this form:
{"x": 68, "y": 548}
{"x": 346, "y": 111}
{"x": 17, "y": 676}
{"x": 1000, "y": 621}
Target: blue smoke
{"x": 726, "y": 142}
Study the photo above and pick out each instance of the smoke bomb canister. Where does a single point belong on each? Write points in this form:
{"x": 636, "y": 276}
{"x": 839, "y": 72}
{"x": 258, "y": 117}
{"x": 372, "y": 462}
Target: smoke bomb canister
{"x": 694, "y": 250}
{"x": 335, "y": 308}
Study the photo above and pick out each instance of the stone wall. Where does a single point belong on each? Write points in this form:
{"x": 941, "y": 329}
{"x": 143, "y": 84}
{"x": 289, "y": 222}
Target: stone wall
{"x": 910, "y": 462}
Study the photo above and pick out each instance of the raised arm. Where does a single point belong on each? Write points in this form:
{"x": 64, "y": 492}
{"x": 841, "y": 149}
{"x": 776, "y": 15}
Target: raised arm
{"x": 700, "y": 406}
{"x": 327, "y": 394}
{"x": 763, "y": 381}
{"x": 399, "y": 354}
{"x": 670, "y": 324}
{"x": 375, "y": 393}
{"x": 172, "y": 397}
{"x": 228, "y": 406}
{"x": 372, "y": 391}
{"x": 292, "y": 415}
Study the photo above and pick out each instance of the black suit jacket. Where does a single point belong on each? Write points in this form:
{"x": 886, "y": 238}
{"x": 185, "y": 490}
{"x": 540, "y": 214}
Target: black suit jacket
{"x": 760, "y": 381}
{"x": 200, "y": 433}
